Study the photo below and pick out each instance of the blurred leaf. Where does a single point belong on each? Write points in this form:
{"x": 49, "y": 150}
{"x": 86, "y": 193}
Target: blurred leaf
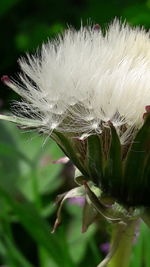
{"x": 5, "y": 5}
{"x": 30, "y": 161}
{"x": 101, "y": 11}
{"x": 37, "y": 228}
{"x": 9, "y": 157}
{"x": 14, "y": 256}
{"x": 34, "y": 34}
{"x": 78, "y": 241}
{"x": 45, "y": 259}
{"x": 57, "y": 28}
{"x": 48, "y": 210}
{"x": 137, "y": 14}
{"x": 148, "y": 3}
{"x": 46, "y": 182}
{"x": 146, "y": 244}
{"x": 136, "y": 259}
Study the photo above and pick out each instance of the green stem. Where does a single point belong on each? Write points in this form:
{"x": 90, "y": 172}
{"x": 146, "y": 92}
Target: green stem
{"x": 122, "y": 238}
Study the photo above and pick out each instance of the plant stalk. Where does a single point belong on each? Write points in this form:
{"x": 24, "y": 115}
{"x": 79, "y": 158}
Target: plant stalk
{"x": 122, "y": 237}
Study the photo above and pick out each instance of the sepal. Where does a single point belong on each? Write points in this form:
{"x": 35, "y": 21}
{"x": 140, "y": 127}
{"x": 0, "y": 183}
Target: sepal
{"x": 113, "y": 166}
{"x": 99, "y": 206}
{"x": 136, "y": 182}
{"x": 89, "y": 216}
{"x": 94, "y": 158}
{"x": 71, "y": 147}
{"x": 75, "y": 192}
{"x": 78, "y": 177}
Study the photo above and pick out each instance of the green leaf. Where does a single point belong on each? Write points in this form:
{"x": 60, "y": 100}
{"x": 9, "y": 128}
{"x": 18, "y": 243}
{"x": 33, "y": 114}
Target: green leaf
{"x": 15, "y": 256}
{"x": 24, "y": 155}
{"x": 145, "y": 231}
{"x": 142, "y": 247}
{"x": 9, "y": 160}
{"x": 95, "y": 158}
{"x": 45, "y": 259}
{"x": 78, "y": 242}
{"x": 6, "y": 5}
{"x": 35, "y": 225}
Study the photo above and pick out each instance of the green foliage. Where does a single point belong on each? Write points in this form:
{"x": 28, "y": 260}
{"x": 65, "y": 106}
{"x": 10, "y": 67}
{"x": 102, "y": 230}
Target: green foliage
{"x": 28, "y": 187}
{"x": 140, "y": 255}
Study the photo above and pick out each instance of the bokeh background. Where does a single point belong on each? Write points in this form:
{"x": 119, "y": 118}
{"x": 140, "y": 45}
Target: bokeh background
{"x": 29, "y": 180}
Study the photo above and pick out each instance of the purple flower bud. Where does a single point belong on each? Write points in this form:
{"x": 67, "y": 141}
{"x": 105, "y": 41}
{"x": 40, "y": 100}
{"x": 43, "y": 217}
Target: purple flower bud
{"x": 105, "y": 247}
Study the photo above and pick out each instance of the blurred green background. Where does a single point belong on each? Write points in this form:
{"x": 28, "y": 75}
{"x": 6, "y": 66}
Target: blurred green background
{"x": 29, "y": 181}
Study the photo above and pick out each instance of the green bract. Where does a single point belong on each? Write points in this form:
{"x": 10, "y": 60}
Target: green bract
{"x": 122, "y": 171}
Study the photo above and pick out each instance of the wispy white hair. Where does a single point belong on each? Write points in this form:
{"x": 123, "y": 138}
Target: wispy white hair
{"x": 83, "y": 79}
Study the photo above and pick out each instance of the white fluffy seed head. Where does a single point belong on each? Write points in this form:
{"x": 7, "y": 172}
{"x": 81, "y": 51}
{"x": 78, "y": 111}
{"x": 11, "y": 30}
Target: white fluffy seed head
{"x": 85, "y": 78}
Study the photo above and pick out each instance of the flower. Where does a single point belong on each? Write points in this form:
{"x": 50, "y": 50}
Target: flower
{"x": 83, "y": 79}
{"x": 90, "y": 91}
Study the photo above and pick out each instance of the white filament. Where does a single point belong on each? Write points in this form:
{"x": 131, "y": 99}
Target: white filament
{"x": 85, "y": 78}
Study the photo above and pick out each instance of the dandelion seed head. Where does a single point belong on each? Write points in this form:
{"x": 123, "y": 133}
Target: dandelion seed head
{"x": 83, "y": 79}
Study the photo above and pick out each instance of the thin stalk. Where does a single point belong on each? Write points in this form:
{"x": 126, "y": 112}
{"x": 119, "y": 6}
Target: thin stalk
{"x": 124, "y": 235}
{"x": 121, "y": 245}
